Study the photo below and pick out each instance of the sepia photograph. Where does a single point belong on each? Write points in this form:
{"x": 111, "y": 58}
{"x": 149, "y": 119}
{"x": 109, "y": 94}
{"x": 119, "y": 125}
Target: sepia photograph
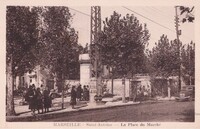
{"x": 100, "y": 66}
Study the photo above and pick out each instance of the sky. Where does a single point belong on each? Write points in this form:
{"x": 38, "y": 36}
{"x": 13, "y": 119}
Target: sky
{"x": 163, "y": 15}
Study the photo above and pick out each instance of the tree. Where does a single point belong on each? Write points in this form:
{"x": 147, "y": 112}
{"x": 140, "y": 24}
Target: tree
{"x": 188, "y": 63}
{"x": 58, "y": 43}
{"x": 122, "y": 44}
{"x": 21, "y": 38}
{"x": 164, "y": 58}
{"x": 165, "y": 62}
{"x": 187, "y": 11}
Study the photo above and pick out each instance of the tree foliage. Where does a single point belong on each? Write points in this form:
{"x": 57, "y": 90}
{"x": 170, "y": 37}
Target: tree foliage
{"x": 188, "y": 63}
{"x": 164, "y": 58}
{"x": 21, "y": 38}
{"x": 40, "y": 36}
{"x": 122, "y": 44}
{"x": 187, "y": 11}
{"x": 59, "y": 50}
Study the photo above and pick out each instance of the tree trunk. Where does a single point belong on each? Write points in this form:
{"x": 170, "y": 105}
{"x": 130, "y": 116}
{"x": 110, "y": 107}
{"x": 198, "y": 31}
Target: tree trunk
{"x": 55, "y": 78}
{"x": 63, "y": 83}
{"x": 112, "y": 80}
{"x": 59, "y": 82}
{"x": 10, "y": 111}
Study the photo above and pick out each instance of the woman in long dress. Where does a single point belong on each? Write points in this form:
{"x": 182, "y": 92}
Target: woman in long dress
{"x": 32, "y": 99}
{"x": 78, "y": 93}
{"x": 39, "y": 100}
{"x": 47, "y": 100}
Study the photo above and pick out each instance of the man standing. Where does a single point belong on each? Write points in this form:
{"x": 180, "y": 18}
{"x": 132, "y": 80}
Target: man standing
{"x": 73, "y": 97}
{"x": 47, "y": 100}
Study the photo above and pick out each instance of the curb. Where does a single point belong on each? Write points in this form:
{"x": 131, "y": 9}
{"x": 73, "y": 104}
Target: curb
{"x": 58, "y": 114}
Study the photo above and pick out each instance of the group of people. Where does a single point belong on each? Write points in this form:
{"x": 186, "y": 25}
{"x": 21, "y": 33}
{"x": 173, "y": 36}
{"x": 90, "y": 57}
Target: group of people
{"x": 40, "y": 99}
{"x": 37, "y": 99}
{"x": 79, "y": 94}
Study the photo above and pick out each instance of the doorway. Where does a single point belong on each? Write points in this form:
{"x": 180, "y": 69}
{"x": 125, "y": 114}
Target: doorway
{"x": 133, "y": 90}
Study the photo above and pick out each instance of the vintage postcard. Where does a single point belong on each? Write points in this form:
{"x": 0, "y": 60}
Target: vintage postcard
{"x": 91, "y": 64}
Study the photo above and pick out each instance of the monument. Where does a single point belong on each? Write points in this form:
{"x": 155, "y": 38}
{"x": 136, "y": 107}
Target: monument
{"x": 84, "y": 60}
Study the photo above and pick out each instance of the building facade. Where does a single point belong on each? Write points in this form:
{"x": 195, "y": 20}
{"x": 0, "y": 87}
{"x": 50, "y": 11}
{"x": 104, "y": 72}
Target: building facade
{"x": 37, "y": 76}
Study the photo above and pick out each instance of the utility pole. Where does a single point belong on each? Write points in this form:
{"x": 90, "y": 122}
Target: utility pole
{"x": 96, "y": 65}
{"x": 178, "y": 33}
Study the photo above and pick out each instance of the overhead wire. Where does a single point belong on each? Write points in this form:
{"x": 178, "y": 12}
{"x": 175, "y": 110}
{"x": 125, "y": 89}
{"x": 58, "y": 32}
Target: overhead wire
{"x": 153, "y": 21}
{"x": 148, "y": 19}
{"x": 127, "y": 9}
{"x": 165, "y": 15}
{"x": 161, "y": 12}
{"x": 137, "y": 14}
{"x": 80, "y": 12}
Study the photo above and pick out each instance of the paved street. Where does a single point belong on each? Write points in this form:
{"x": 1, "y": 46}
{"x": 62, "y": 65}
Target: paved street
{"x": 166, "y": 111}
